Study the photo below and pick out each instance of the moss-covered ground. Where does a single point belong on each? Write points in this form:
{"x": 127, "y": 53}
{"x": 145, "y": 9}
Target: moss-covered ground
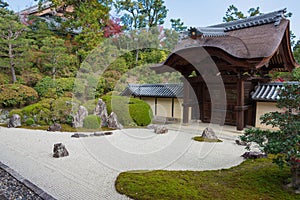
{"x": 253, "y": 179}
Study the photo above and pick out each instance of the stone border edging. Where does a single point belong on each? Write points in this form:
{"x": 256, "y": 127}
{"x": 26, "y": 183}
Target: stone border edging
{"x": 38, "y": 191}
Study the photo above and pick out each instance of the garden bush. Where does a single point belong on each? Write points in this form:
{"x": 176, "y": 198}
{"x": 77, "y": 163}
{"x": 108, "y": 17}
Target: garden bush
{"x": 129, "y": 110}
{"x": 16, "y": 95}
{"x": 29, "y": 121}
{"x": 91, "y": 122}
{"x": 47, "y": 111}
{"x": 62, "y": 110}
{"x": 46, "y": 87}
{"x": 4, "y": 79}
{"x": 49, "y": 88}
{"x": 39, "y": 111}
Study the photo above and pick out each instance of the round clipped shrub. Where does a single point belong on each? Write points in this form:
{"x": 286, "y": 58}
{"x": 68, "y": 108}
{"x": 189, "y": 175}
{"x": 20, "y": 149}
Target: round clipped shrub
{"x": 16, "y": 95}
{"x": 91, "y": 122}
{"x": 140, "y": 112}
{"x": 129, "y": 110}
{"x": 29, "y": 121}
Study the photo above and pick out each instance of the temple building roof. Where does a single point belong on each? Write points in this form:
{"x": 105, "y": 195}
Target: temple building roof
{"x": 154, "y": 90}
{"x": 251, "y": 43}
{"x": 268, "y": 91}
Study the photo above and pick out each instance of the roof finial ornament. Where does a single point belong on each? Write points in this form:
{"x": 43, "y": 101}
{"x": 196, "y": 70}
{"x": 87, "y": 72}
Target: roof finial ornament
{"x": 279, "y": 16}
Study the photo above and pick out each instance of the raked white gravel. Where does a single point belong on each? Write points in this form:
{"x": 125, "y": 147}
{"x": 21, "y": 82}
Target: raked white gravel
{"x": 90, "y": 171}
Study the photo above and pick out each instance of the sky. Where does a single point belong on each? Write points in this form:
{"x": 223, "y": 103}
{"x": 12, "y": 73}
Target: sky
{"x": 199, "y": 13}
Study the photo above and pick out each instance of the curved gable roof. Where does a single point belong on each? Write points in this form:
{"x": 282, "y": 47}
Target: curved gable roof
{"x": 255, "y": 40}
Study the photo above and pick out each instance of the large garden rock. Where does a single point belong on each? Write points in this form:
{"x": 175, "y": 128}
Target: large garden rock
{"x": 14, "y": 121}
{"x": 209, "y": 133}
{"x": 101, "y": 111}
{"x": 113, "y": 122}
{"x": 54, "y": 127}
{"x": 60, "y": 150}
{"x": 79, "y": 117}
{"x": 160, "y": 129}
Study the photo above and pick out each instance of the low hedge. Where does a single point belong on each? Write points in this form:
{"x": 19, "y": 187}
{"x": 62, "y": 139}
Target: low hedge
{"x": 47, "y": 111}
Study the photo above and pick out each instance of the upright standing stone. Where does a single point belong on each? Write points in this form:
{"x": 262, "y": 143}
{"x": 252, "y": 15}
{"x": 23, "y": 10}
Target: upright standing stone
{"x": 14, "y": 121}
{"x": 113, "y": 122}
{"x": 101, "y": 111}
{"x": 79, "y": 117}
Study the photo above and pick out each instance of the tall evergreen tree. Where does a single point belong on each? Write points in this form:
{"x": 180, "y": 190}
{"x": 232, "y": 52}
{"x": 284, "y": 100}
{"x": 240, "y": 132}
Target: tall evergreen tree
{"x": 12, "y": 41}
{"x": 141, "y": 13}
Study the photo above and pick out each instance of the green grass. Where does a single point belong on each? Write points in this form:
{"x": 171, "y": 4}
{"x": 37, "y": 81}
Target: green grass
{"x": 201, "y": 139}
{"x": 253, "y": 179}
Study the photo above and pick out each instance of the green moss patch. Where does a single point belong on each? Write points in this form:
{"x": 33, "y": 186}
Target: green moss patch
{"x": 253, "y": 179}
{"x": 201, "y": 139}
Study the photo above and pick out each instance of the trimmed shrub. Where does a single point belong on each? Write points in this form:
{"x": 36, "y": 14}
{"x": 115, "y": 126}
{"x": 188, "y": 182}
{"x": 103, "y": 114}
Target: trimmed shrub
{"x": 65, "y": 84}
{"x": 16, "y": 95}
{"x": 29, "y": 121}
{"x": 129, "y": 110}
{"x": 61, "y": 110}
{"x": 140, "y": 112}
{"x": 39, "y": 111}
{"x": 91, "y": 122}
{"x": 47, "y": 88}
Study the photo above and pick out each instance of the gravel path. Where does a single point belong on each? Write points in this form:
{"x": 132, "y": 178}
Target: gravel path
{"x": 11, "y": 188}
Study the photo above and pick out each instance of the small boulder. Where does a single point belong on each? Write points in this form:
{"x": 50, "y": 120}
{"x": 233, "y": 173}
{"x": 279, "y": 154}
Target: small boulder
{"x": 209, "y": 133}
{"x": 54, "y": 127}
{"x": 152, "y": 126}
{"x": 14, "y": 121}
{"x": 160, "y": 129}
{"x": 254, "y": 155}
{"x": 79, "y": 135}
{"x": 60, "y": 150}
{"x": 242, "y": 143}
{"x": 98, "y": 134}
{"x": 113, "y": 122}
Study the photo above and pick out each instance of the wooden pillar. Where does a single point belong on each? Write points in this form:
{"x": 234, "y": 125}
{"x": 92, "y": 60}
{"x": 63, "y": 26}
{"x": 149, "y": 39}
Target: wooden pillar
{"x": 186, "y": 98}
{"x": 240, "y": 116}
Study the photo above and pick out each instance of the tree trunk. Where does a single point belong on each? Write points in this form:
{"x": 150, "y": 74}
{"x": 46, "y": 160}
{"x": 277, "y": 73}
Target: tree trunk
{"x": 12, "y": 64}
{"x": 295, "y": 170}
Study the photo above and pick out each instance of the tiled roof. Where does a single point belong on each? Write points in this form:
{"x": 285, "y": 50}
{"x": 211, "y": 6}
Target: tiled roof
{"x": 221, "y": 29}
{"x": 268, "y": 91}
{"x": 36, "y": 8}
{"x": 272, "y": 17}
{"x": 154, "y": 90}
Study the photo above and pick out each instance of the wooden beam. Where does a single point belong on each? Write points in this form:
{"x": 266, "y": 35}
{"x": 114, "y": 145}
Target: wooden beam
{"x": 240, "y": 116}
{"x": 186, "y": 98}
